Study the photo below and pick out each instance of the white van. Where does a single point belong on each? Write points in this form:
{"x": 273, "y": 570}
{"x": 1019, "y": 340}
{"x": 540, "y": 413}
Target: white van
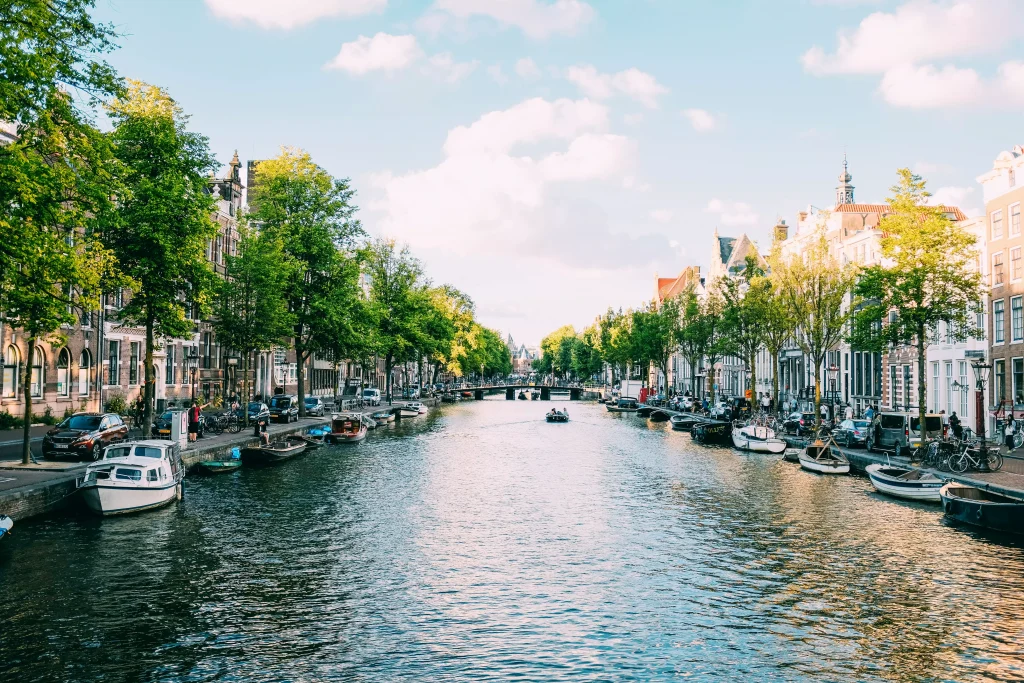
{"x": 371, "y": 396}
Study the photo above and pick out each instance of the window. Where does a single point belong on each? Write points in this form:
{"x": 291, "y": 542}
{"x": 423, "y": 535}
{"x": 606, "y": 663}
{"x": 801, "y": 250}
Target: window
{"x": 209, "y": 250}
{"x": 963, "y": 391}
{"x": 11, "y": 370}
{"x": 129, "y": 474}
{"x": 64, "y": 373}
{"x": 114, "y": 363}
{"x": 206, "y": 350}
{"x": 84, "y": 366}
{"x": 151, "y": 475}
{"x": 997, "y": 322}
{"x": 894, "y": 387}
{"x": 997, "y": 269}
{"x": 999, "y": 370}
{"x": 858, "y": 374}
{"x": 935, "y": 387}
{"x": 133, "y": 364}
{"x": 997, "y": 225}
{"x": 36, "y": 378}
{"x": 1015, "y": 219}
{"x": 169, "y": 366}
{"x": 86, "y": 318}
{"x": 1018, "y": 380}
{"x": 949, "y": 387}
{"x": 906, "y": 387}
{"x": 1015, "y": 265}
{"x": 1017, "y": 319}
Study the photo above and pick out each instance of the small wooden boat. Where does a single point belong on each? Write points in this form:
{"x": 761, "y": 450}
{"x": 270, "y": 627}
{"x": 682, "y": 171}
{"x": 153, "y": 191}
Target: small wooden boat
{"x": 659, "y": 416}
{"x": 219, "y": 466}
{"x": 623, "y": 405}
{"x": 557, "y": 416}
{"x": 824, "y": 458}
{"x": 420, "y": 408}
{"x": 467, "y": 394}
{"x": 346, "y": 428}
{"x": 684, "y": 423}
{"x": 6, "y": 524}
{"x": 274, "y": 452}
{"x": 980, "y": 508}
{"x": 791, "y": 455}
{"x": 403, "y": 412}
{"x": 904, "y": 482}
{"x": 712, "y": 432}
{"x": 383, "y": 417}
{"x": 757, "y": 439}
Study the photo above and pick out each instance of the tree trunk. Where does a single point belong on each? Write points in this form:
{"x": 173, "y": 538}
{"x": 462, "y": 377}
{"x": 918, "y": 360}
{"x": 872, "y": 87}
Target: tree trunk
{"x": 710, "y": 381}
{"x": 775, "y": 380}
{"x": 149, "y": 392}
{"x": 753, "y": 375}
{"x": 26, "y": 386}
{"x": 300, "y": 356}
{"x": 245, "y": 389}
{"x": 817, "y": 391}
{"x": 922, "y": 388}
{"x": 387, "y": 379}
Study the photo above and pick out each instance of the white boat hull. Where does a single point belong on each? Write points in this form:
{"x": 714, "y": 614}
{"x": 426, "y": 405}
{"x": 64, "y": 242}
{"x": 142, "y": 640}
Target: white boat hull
{"x": 741, "y": 442}
{"x": 914, "y": 489}
{"x": 106, "y": 499}
{"x": 6, "y": 524}
{"x": 824, "y": 467}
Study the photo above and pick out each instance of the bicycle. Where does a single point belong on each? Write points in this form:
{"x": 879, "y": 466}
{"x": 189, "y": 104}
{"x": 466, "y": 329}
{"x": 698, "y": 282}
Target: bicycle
{"x": 970, "y": 458}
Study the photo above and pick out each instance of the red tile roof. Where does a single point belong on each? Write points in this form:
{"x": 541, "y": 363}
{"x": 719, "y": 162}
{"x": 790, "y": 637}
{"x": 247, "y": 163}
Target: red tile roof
{"x": 884, "y": 208}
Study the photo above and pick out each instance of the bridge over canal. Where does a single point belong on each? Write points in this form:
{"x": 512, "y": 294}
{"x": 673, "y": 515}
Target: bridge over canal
{"x": 512, "y": 391}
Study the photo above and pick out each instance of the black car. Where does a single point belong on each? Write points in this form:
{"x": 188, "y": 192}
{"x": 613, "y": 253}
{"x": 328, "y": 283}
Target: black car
{"x": 315, "y": 406}
{"x": 84, "y": 435}
{"x": 162, "y": 426}
{"x": 799, "y": 424}
{"x": 258, "y": 411}
{"x": 852, "y": 432}
{"x": 284, "y": 408}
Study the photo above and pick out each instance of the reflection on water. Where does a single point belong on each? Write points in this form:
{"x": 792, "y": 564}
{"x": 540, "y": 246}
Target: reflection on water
{"x": 483, "y": 543}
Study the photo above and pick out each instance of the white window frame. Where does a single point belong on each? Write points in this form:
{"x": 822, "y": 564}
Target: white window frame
{"x": 998, "y": 332}
{"x": 1014, "y": 212}
{"x": 996, "y": 217}
{"x": 1001, "y": 268}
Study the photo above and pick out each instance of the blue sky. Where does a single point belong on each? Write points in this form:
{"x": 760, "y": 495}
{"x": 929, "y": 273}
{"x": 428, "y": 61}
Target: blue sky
{"x": 549, "y": 156}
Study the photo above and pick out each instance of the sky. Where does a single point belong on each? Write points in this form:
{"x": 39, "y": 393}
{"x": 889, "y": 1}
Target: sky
{"x": 549, "y": 157}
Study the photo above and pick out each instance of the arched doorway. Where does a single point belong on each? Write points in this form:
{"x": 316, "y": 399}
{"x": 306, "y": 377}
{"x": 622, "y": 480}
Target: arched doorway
{"x": 84, "y": 370}
{"x": 37, "y": 376}
{"x": 64, "y": 373}
{"x": 12, "y": 364}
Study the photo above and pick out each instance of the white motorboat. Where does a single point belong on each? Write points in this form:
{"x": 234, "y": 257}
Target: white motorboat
{"x": 132, "y": 477}
{"x": 757, "y": 439}
{"x": 6, "y": 524}
{"x": 418, "y": 407}
{"x": 904, "y": 482}
{"x": 824, "y": 458}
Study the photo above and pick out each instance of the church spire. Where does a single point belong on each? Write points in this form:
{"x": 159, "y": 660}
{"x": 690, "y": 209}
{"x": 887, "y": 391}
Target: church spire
{"x": 844, "y": 191}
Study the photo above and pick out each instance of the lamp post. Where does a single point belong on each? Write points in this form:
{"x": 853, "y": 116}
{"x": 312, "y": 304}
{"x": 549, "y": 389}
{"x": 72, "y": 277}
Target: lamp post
{"x": 192, "y": 361}
{"x": 833, "y": 377}
{"x": 232, "y": 369}
{"x": 981, "y": 374}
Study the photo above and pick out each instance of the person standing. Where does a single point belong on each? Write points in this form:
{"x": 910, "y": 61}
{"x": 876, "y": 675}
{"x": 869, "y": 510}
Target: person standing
{"x": 193, "y": 421}
{"x": 954, "y": 425}
{"x": 849, "y": 411}
{"x": 869, "y": 414}
{"x": 1008, "y": 431}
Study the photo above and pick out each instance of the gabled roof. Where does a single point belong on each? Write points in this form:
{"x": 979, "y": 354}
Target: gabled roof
{"x": 958, "y": 215}
{"x": 742, "y": 248}
{"x": 669, "y": 287}
{"x": 725, "y": 245}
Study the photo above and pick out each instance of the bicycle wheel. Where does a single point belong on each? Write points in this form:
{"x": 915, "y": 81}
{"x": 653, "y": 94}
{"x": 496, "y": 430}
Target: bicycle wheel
{"x": 234, "y": 426}
{"x": 1018, "y": 440}
{"x": 995, "y": 460}
{"x": 958, "y": 463}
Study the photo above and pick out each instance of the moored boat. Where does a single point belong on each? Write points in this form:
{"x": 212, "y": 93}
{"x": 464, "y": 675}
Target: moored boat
{"x": 557, "y": 416}
{"x": 6, "y": 524}
{"x": 824, "y": 458}
{"x": 684, "y": 422}
{"x": 904, "y": 482}
{"x": 791, "y": 455}
{"x": 659, "y": 416}
{"x": 712, "y": 432}
{"x": 985, "y": 509}
{"x": 346, "y": 428}
{"x": 274, "y": 452}
{"x": 383, "y": 417}
{"x": 418, "y": 407}
{"x": 405, "y": 412}
{"x": 133, "y": 476}
{"x": 219, "y": 466}
{"x": 757, "y": 439}
{"x": 623, "y": 405}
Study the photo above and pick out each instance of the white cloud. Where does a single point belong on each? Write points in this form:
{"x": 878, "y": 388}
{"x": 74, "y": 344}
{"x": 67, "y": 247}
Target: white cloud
{"x": 920, "y": 30}
{"x": 928, "y": 87}
{"x": 492, "y": 194}
{"x": 926, "y": 168}
{"x": 444, "y": 67}
{"x": 497, "y": 74}
{"x": 536, "y": 18}
{"x": 732, "y": 213}
{"x": 955, "y": 196}
{"x": 383, "y": 52}
{"x": 701, "y": 120}
{"x": 633, "y": 119}
{"x": 287, "y": 15}
{"x": 632, "y": 83}
{"x": 527, "y": 69}
{"x": 661, "y": 215}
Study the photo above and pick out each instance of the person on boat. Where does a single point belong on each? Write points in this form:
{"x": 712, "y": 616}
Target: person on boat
{"x": 260, "y": 430}
{"x": 955, "y": 426}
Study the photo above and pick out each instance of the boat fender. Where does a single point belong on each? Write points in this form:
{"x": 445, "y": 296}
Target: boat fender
{"x": 235, "y": 453}
{"x": 978, "y": 513}
{"x": 949, "y": 507}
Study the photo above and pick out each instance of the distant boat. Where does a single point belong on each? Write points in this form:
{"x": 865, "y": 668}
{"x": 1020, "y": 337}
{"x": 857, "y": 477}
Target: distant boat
{"x": 971, "y": 505}
{"x": 383, "y": 417}
{"x": 6, "y": 524}
{"x": 346, "y": 428}
{"x": 791, "y": 455}
{"x": 824, "y": 458}
{"x": 712, "y": 432}
{"x": 274, "y": 452}
{"x": 757, "y": 439}
{"x": 684, "y": 422}
{"x": 219, "y": 466}
{"x": 659, "y": 416}
{"x": 623, "y": 405}
{"x": 903, "y": 482}
{"x": 418, "y": 407}
{"x": 557, "y": 416}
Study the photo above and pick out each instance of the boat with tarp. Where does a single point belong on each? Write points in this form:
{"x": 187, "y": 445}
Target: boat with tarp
{"x": 346, "y": 428}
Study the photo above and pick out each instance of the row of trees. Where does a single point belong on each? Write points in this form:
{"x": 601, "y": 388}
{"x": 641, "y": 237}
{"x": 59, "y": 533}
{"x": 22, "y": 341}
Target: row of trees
{"x": 927, "y": 277}
{"x": 87, "y": 211}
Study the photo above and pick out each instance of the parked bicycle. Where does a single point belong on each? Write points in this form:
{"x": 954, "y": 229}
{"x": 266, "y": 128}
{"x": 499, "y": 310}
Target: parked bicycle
{"x": 970, "y": 458}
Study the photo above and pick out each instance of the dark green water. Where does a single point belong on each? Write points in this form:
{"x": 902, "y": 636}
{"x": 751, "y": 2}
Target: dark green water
{"x": 480, "y": 543}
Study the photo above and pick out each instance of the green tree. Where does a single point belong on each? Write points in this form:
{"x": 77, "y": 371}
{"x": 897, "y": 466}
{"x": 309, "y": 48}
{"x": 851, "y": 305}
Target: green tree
{"x": 817, "y": 288}
{"x": 455, "y": 310}
{"x": 312, "y": 214}
{"x": 776, "y": 320}
{"x": 712, "y": 326}
{"x": 745, "y": 299}
{"x": 656, "y": 331}
{"x": 927, "y": 278}
{"x": 251, "y": 310}
{"x": 163, "y": 219}
{"x": 555, "y": 360}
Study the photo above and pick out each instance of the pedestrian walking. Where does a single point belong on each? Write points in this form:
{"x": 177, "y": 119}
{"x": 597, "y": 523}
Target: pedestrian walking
{"x": 869, "y": 414}
{"x": 955, "y": 426}
{"x": 766, "y": 403}
{"x": 1008, "y": 431}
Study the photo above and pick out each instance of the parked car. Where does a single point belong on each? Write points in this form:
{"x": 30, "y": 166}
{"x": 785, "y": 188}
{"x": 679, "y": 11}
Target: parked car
{"x": 258, "y": 412}
{"x": 284, "y": 408}
{"x": 315, "y": 406}
{"x": 852, "y": 432}
{"x": 899, "y": 432}
{"x": 799, "y": 423}
{"x": 162, "y": 426}
{"x": 84, "y": 435}
{"x": 371, "y": 396}
{"x": 411, "y": 391}
{"x": 720, "y": 411}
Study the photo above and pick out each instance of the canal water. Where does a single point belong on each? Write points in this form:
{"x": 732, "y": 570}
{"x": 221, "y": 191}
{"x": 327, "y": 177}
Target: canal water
{"x": 480, "y": 543}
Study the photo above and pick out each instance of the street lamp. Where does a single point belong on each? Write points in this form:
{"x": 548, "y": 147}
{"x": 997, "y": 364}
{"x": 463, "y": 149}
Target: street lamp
{"x": 192, "y": 362}
{"x": 981, "y": 374}
{"x": 232, "y": 369}
{"x": 833, "y": 378}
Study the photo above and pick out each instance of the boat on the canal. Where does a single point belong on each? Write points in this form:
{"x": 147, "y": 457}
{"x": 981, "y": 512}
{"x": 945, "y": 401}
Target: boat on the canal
{"x": 905, "y": 482}
{"x": 6, "y": 524}
{"x": 132, "y": 477}
{"x": 418, "y": 407}
{"x": 659, "y": 416}
{"x": 219, "y": 466}
{"x": 824, "y": 458}
{"x": 684, "y": 422}
{"x": 274, "y": 452}
{"x": 984, "y": 509}
{"x": 623, "y": 405}
{"x": 791, "y": 455}
{"x": 757, "y": 439}
{"x": 522, "y": 396}
{"x": 557, "y": 416}
{"x": 382, "y": 417}
{"x": 314, "y": 438}
{"x": 712, "y": 432}
{"x": 346, "y": 428}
